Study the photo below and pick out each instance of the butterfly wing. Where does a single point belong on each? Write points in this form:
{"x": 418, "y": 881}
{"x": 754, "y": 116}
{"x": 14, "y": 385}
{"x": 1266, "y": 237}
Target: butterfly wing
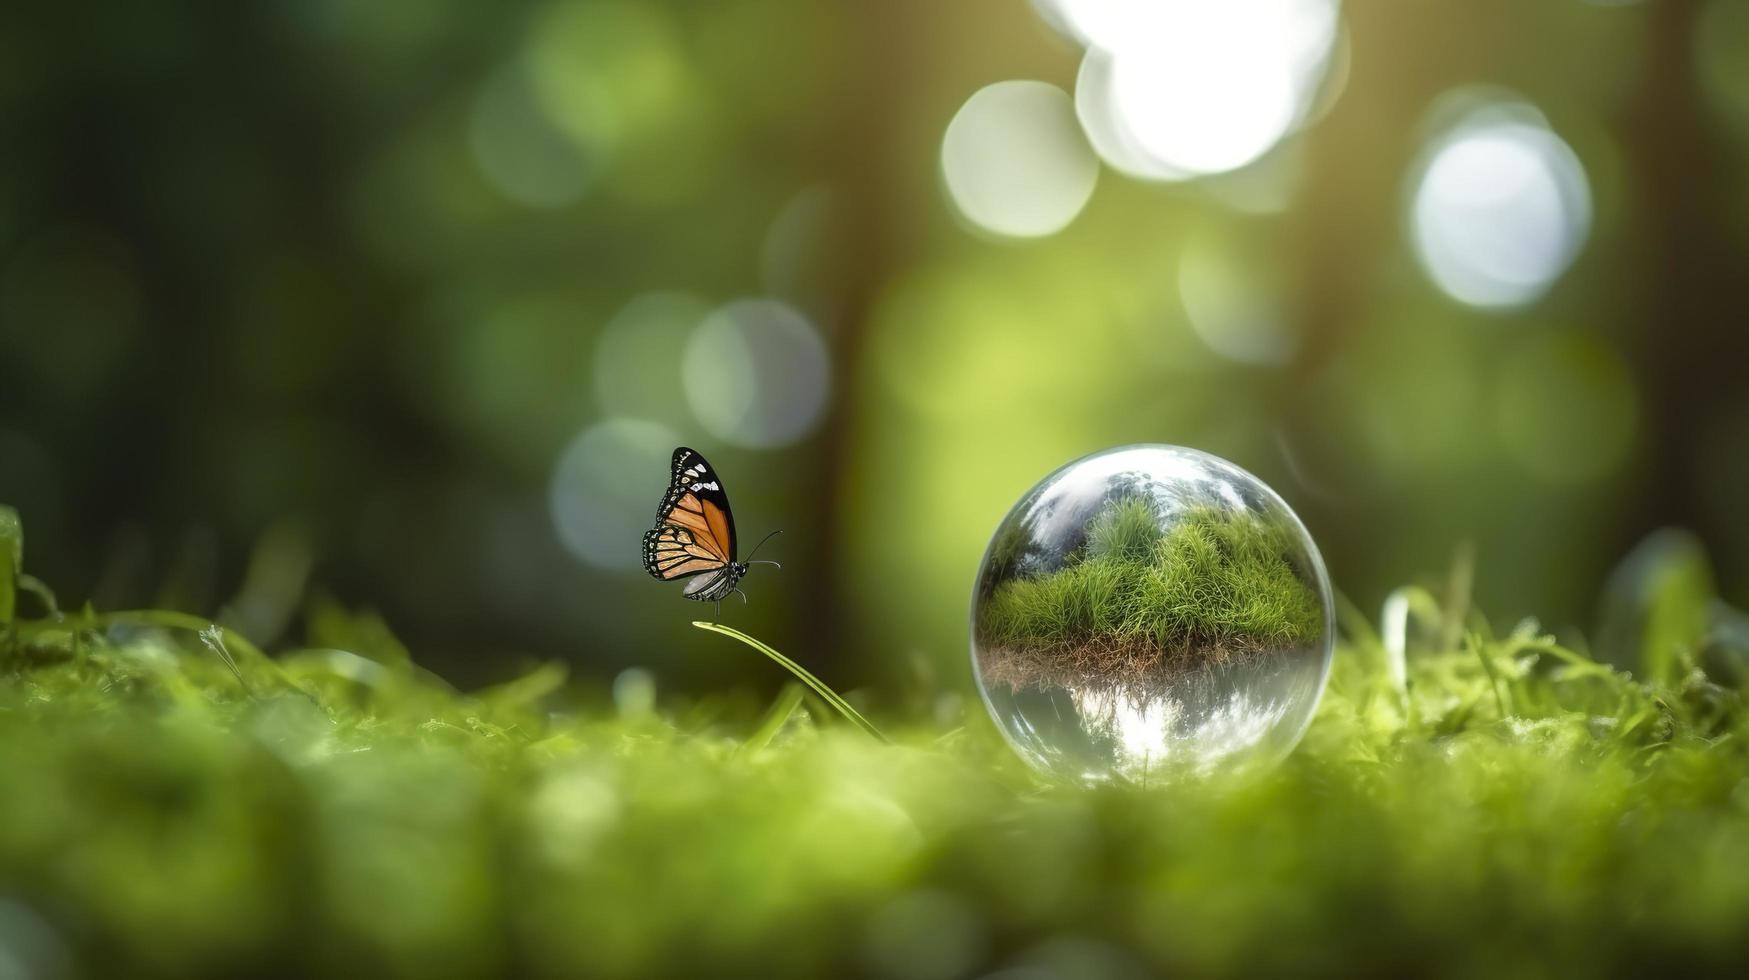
{"x": 671, "y": 553}
{"x": 710, "y": 588}
{"x": 695, "y": 530}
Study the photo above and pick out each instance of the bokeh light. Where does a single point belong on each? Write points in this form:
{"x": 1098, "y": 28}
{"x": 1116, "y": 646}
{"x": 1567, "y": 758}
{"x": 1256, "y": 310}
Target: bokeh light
{"x": 1015, "y": 161}
{"x": 1096, "y": 110}
{"x": 637, "y": 357}
{"x": 1178, "y": 89}
{"x": 1166, "y": 102}
{"x": 757, "y": 374}
{"x": 521, "y": 149}
{"x": 599, "y": 506}
{"x": 617, "y": 78}
{"x": 1500, "y": 208}
{"x": 605, "y": 69}
{"x": 1232, "y": 306}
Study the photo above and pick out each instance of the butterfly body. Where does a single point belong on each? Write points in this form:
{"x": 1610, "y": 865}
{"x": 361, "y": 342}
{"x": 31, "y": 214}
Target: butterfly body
{"x": 694, "y": 536}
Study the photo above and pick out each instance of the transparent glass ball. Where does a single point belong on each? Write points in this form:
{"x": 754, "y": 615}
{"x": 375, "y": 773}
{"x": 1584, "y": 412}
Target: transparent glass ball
{"x": 1151, "y": 609}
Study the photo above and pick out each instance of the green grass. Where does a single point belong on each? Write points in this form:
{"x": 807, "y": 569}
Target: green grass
{"x": 844, "y": 708}
{"x": 1212, "y": 587}
{"x": 1511, "y": 807}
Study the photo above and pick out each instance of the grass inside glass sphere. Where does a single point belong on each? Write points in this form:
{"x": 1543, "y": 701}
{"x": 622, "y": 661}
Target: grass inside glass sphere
{"x": 1140, "y": 605}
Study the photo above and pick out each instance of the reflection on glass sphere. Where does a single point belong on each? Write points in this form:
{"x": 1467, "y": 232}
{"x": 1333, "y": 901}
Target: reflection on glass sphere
{"x": 1151, "y": 610}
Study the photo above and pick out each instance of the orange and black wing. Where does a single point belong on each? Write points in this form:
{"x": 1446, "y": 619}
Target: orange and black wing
{"x": 695, "y": 530}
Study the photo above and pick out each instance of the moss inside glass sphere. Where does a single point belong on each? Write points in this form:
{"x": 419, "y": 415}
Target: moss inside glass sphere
{"x": 1148, "y": 607}
{"x": 1143, "y": 605}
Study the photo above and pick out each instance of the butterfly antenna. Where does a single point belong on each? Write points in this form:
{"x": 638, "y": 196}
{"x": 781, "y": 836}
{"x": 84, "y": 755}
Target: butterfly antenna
{"x": 761, "y": 544}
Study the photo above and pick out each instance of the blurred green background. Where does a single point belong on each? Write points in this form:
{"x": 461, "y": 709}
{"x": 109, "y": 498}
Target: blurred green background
{"x": 406, "y": 303}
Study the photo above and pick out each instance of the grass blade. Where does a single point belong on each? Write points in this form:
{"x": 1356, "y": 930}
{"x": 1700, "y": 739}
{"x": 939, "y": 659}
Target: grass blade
{"x": 819, "y": 687}
{"x": 214, "y": 638}
{"x": 167, "y": 619}
{"x": 776, "y": 717}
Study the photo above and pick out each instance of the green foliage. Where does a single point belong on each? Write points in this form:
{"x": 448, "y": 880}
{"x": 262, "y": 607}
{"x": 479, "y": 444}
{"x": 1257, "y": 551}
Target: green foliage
{"x": 1214, "y": 581}
{"x": 365, "y": 633}
{"x": 1513, "y": 807}
{"x": 1656, "y": 604}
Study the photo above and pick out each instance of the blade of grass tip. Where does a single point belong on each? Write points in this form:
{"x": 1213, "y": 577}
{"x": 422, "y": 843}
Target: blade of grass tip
{"x": 775, "y": 718}
{"x": 1480, "y": 649}
{"x": 214, "y": 638}
{"x": 830, "y": 696}
{"x": 233, "y": 640}
{"x": 44, "y": 594}
{"x": 1394, "y": 643}
{"x": 181, "y": 621}
{"x": 1386, "y": 642}
{"x": 1576, "y": 663}
{"x": 1458, "y": 589}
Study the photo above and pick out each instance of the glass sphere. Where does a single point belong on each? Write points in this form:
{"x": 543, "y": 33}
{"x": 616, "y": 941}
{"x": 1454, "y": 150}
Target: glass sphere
{"x": 1151, "y": 609}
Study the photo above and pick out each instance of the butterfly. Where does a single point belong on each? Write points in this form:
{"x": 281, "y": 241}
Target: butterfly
{"x": 694, "y": 536}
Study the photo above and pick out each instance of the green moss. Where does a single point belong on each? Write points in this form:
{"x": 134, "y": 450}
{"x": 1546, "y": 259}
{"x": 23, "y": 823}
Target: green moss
{"x": 1213, "y": 586}
{"x": 1513, "y": 808}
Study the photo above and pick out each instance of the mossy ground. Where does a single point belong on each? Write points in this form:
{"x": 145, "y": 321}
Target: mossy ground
{"x": 1139, "y": 604}
{"x": 177, "y": 807}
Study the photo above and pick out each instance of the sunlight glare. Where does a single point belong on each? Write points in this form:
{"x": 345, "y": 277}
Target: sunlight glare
{"x": 1015, "y": 162}
{"x": 1178, "y": 89}
{"x": 1500, "y": 209}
